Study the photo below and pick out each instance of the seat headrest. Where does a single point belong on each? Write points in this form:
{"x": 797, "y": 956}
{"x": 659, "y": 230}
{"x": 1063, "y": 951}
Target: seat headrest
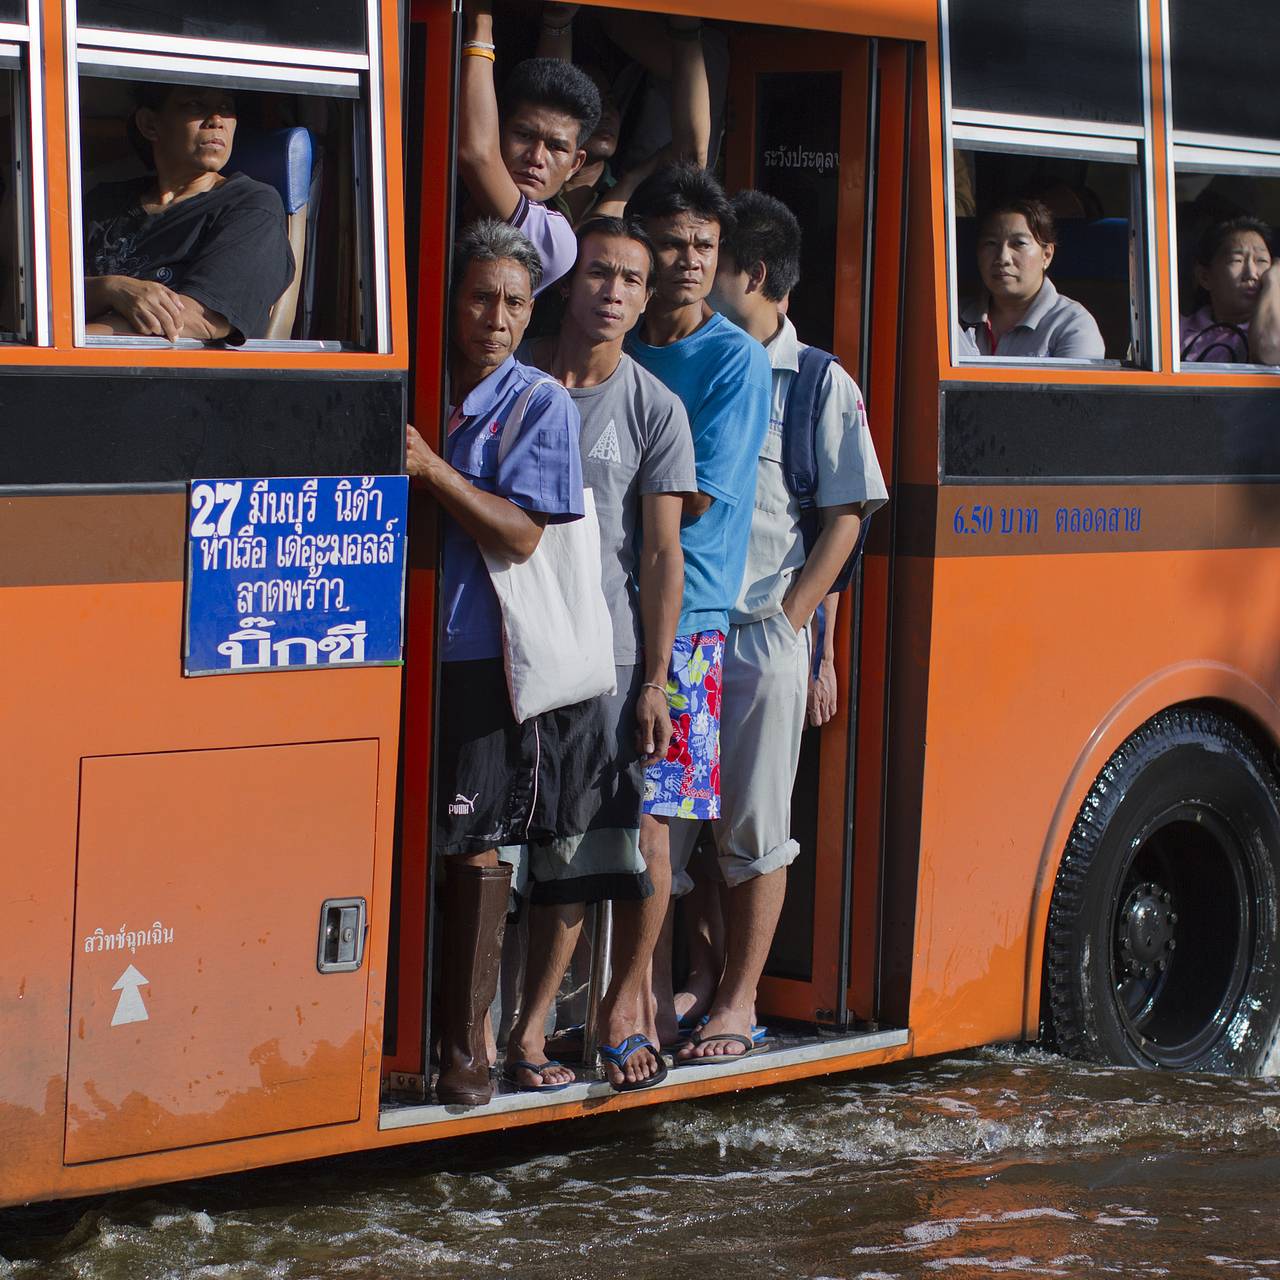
{"x": 279, "y": 157}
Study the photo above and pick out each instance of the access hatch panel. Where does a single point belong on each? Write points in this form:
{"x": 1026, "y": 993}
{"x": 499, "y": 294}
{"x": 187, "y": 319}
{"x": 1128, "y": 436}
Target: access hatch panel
{"x": 198, "y": 1012}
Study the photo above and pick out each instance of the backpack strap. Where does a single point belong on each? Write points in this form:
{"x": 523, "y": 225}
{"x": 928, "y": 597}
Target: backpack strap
{"x": 800, "y": 426}
{"x": 515, "y": 419}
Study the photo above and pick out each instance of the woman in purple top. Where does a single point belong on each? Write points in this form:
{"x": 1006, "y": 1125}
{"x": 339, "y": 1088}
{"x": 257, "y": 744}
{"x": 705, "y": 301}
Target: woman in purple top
{"x": 1239, "y": 322}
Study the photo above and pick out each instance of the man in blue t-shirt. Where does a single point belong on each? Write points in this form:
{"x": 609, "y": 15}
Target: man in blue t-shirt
{"x": 723, "y": 378}
{"x": 498, "y": 781}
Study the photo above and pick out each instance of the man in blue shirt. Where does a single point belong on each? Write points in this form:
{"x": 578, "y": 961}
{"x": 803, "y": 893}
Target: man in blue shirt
{"x": 723, "y": 378}
{"x": 498, "y": 782}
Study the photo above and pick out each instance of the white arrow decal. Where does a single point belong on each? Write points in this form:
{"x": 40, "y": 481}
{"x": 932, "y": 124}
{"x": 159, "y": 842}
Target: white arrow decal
{"x": 131, "y": 1008}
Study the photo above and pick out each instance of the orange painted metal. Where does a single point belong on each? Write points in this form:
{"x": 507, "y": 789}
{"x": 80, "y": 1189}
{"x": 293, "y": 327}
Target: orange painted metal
{"x": 406, "y": 1054}
{"x": 203, "y": 1016}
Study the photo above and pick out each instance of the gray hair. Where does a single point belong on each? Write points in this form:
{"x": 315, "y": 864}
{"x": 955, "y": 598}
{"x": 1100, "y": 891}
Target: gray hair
{"x": 488, "y": 240}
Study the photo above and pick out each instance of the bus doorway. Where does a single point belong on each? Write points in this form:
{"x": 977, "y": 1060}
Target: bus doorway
{"x": 807, "y": 114}
{"x": 795, "y": 114}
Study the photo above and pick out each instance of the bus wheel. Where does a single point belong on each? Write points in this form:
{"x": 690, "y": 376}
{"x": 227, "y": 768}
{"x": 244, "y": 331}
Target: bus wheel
{"x": 1162, "y": 946}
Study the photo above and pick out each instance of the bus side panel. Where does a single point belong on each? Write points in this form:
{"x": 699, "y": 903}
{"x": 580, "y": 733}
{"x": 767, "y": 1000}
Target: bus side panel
{"x": 1031, "y": 653}
{"x": 92, "y": 665}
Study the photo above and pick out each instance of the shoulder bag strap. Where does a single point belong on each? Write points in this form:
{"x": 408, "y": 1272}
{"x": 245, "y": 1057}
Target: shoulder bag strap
{"x": 515, "y": 419}
{"x": 800, "y": 425}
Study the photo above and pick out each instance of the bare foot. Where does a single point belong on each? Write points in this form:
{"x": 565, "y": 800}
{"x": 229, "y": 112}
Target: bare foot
{"x": 724, "y": 1023}
{"x": 534, "y": 1052}
{"x": 641, "y": 1061}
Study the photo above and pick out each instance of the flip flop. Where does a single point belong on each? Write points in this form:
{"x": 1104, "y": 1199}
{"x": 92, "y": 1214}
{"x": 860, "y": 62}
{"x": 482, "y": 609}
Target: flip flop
{"x": 509, "y": 1075}
{"x": 748, "y": 1045}
{"x": 620, "y": 1054}
{"x": 759, "y": 1035}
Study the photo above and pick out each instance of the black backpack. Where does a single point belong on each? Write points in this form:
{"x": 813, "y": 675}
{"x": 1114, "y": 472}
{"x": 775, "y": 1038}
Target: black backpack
{"x": 799, "y": 453}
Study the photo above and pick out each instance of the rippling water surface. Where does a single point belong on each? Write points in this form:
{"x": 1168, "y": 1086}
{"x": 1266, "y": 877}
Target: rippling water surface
{"x": 999, "y": 1162}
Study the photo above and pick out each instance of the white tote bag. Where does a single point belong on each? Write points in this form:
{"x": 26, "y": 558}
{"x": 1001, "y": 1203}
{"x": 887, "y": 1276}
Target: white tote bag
{"x": 557, "y": 635}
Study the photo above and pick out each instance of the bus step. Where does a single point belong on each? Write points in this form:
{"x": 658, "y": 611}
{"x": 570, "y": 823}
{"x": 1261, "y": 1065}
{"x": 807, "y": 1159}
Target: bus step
{"x": 820, "y": 1052}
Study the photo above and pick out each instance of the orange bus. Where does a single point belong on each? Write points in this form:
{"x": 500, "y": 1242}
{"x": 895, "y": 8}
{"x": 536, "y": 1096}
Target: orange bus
{"x": 1047, "y": 805}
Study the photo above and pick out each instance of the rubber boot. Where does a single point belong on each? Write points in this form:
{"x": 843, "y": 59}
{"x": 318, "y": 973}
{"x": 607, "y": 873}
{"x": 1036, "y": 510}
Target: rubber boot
{"x": 475, "y": 918}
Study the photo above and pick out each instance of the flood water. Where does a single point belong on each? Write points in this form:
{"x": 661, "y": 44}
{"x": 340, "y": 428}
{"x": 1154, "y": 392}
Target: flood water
{"x": 1002, "y": 1162}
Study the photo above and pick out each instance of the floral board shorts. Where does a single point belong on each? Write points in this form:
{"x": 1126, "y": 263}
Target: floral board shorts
{"x": 687, "y": 783}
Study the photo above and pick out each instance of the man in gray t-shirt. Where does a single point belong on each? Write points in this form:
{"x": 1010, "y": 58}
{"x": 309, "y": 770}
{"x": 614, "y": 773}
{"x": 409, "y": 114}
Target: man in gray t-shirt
{"x": 637, "y": 458}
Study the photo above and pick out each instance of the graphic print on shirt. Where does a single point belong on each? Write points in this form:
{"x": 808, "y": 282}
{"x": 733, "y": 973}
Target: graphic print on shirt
{"x": 606, "y": 448}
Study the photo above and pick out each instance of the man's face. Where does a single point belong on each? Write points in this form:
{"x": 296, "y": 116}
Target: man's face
{"x": 1234, "y": 277}
{"x": 491, "y": 311}
{"x": 688, "y": 247}
{"x": 194, "y": 130}
{"x": 609, "y": 287}
{"x": 729, "y": 292}
{"x": 540, "y": 149}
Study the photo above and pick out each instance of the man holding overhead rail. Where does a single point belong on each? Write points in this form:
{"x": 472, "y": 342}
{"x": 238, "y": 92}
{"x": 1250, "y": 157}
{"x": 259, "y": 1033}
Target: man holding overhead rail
{"x": 767, "y": 657}
{"x": 193, "y": 251}
{"x": 515, "y": 157}
{"x": 722, "y": 376}
{"x": 498, "y": 781}
{"x": 637, "y": 458}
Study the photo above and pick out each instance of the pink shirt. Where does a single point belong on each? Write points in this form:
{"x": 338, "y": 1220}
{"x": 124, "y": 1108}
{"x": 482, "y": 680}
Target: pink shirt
{"x": 1205, "y": 339}
{"x": 552, "y": 236}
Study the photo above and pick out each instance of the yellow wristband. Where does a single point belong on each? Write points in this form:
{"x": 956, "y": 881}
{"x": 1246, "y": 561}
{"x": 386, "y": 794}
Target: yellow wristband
{"x": 479, "y": 53}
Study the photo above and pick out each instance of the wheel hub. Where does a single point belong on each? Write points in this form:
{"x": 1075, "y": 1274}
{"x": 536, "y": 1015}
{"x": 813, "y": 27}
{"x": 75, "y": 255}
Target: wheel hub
{"x": 1147, "y": 930}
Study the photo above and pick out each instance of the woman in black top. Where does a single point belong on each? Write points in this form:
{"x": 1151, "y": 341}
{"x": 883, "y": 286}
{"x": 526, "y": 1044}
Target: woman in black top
{"x": 191, "y": 252}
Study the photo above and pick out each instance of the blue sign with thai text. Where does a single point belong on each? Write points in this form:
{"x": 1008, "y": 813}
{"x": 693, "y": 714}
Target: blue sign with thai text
{"x": 298, "y": 572}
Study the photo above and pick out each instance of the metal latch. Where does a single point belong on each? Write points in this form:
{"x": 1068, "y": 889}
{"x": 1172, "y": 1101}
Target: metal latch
{"x": 342, "y": 930}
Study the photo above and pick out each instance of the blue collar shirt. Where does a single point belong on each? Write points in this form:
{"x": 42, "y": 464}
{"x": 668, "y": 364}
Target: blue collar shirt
{"x": 542, "y": 473}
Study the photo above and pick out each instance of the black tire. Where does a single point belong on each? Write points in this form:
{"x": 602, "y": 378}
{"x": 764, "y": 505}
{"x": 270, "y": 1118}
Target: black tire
{"x": 1162, "y": 946}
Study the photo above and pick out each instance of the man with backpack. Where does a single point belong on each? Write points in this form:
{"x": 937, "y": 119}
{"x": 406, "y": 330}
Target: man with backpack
{"x": 817, "y": 480}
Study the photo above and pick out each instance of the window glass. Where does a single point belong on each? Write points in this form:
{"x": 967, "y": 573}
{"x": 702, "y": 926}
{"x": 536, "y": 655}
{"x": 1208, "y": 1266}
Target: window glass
{"x": 13, "y": 10}
{"x": 1226, "y": 240}
{"x": 797, "y": 159}
{"x": 1096, "y": 261}
{"x": 1079, "y": 61}
{"x": 15, "y": 249}
{"x": 308, "y": 24}
{"x": 1223, "y": 67}
{"x": 293, "y": 192}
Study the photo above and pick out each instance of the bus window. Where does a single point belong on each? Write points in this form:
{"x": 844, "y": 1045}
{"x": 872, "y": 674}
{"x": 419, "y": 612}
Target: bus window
{"x": 1226, "y": 154}
{"x": 1057, "y": 232}
{"x": 23, "y": 272}
{"x": 311, "y": 24}
{"x": 280, "y": 250}
{"x": 15, "y": 305}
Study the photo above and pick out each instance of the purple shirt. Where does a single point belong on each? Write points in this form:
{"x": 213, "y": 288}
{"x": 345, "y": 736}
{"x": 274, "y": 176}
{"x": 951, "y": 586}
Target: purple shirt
{"x": 542, "y": 472}
{"x": 552, "y": 236}
{"x": 1205, "y": 339}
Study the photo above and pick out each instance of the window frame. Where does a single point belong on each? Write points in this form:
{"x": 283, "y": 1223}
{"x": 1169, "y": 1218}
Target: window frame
{"x": 24, "y": 44}
{"x": 1103, "y": 141}
{"x": 105, "y": 53}
{"x": 1190, "y": 151}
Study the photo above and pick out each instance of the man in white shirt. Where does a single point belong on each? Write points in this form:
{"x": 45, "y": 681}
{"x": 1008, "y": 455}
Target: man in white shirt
{"x": 768, "y": 653}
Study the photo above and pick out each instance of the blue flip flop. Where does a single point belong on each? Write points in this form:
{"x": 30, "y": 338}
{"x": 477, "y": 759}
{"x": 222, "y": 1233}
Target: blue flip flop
{"x": 620, "y": 1054}
{"x": 509, "y": 1075}
{"x": 759, "y": 1035}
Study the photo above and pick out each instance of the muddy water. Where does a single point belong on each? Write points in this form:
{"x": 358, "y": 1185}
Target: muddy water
{"x": 999, "y": 1162}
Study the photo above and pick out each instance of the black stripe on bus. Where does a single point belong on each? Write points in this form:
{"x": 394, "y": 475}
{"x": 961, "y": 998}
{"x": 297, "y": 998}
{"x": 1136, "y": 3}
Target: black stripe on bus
{"x": 148, "y": 427}
{"x": 1040, "y": 434}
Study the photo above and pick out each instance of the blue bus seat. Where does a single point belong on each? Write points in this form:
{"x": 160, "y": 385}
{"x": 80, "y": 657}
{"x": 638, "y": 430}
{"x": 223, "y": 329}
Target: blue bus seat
{"x": 283, "y": 159}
